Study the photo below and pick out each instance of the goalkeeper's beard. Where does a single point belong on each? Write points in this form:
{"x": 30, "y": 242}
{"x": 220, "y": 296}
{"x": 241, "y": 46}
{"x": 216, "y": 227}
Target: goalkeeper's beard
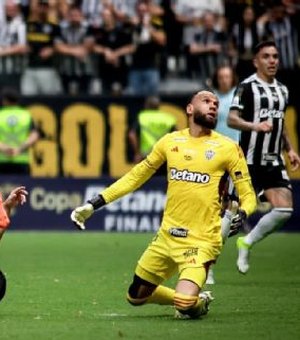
{"x": 202, "y": 120}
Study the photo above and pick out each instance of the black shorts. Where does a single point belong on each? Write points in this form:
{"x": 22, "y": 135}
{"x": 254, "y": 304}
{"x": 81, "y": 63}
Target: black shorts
{"x": 2, "y": 285}
{"x": 267, "y": 177}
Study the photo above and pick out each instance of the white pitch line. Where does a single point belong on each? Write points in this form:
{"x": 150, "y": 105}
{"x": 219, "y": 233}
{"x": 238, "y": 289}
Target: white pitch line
{"x": 112, "y": 314}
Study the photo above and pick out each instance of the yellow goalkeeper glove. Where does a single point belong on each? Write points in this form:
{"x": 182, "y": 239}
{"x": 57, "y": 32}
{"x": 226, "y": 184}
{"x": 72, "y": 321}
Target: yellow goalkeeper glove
{"x": 81, "y": 214}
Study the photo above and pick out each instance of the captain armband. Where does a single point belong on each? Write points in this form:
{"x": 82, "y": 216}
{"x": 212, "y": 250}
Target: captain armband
{"x": 97, "y": 202}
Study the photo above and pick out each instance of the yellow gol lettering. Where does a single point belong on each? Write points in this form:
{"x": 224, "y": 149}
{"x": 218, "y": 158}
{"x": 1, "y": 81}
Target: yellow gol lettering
{"x": 44, "y": 160}
{"x": 93, "y": 122}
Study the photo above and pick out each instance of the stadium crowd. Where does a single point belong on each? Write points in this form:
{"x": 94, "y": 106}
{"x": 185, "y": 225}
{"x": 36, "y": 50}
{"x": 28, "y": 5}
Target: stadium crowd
{"x": 139, "y": 47}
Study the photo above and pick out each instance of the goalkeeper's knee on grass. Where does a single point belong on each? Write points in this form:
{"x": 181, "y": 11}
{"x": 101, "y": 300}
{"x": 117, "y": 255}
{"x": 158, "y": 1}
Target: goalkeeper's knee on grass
{"x": 139, "y": 291}
{"x": 136, "y": 301}
{"x": 2, "y": 285}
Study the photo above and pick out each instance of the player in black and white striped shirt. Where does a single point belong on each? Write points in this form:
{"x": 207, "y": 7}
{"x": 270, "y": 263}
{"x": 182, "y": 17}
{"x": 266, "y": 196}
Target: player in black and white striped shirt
{"x": 258, "y": 110}
{"x": 263, "y": 104}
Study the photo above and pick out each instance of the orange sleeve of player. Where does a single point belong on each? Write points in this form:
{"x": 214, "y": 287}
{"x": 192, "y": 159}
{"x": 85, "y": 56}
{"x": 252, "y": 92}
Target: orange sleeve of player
{"x": 4, "y": 219}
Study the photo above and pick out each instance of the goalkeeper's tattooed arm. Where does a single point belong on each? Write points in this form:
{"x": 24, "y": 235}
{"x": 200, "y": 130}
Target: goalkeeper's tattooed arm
{"x": 84, "y": 212}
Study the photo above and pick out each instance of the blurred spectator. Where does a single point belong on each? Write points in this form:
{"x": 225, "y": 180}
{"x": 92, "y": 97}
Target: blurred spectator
{"x": 284, "y": 28}
{"x": 149, "y": 39}
{"x": 2, "y": 10}
{"x": 12, "y": 46}
{"x": 190, "y": 12}
{"x": 234, "y": 9}
{"x": 120, "y": 11}
{"x": 40, "y": 77}
{"x": 18, "y": 135}
{"x": 127, "y": 13}
{"x": 155, "y": 7}
{"x": 73, "y": 45}
{"x": 92, "y": 10}
{"x": 173, "y": 29}
{"x": 207, "y": 49}
{"x": 245, "y": 35}
{"x": 112, "y": 44}
{"x": 25, "y": 8}
{"x": 151, "y": 125}
{"x": 224, "y": 83}
{"x": 124, "y": 11}
{"x": 57, "y": 9}
{"x": 291, "y": 6}
{"x": 190, "y": 15}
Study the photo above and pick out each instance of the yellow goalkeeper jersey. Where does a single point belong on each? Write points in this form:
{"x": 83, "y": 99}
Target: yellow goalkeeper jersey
{"x": 195, "y": 167}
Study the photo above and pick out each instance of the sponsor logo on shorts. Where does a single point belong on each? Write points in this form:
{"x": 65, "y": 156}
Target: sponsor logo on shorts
{"x": 191, "y": 261}
{"x": 178, "y": 232}
{"x": 189, "y": 176}
{"x": 270, "y": 157}
{"x": 191, "y": 252}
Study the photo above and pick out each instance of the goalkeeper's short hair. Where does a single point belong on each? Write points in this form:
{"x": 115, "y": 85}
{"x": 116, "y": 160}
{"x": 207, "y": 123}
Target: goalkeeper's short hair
{"x": 2, "y": 285}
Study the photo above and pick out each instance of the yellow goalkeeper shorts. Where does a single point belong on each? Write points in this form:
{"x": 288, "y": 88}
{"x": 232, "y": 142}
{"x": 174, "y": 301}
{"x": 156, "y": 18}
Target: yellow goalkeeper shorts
{"x": 167, "y": 255}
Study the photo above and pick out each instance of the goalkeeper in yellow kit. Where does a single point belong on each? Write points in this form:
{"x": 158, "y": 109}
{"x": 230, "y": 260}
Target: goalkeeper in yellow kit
{"x": 189, "y": 238}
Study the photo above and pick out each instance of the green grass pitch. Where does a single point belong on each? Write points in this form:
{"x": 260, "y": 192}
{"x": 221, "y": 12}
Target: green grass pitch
{"x": 73, "y": 286}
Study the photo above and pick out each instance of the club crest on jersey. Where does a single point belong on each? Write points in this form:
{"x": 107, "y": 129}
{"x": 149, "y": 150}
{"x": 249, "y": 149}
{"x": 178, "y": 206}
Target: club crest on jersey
{"x": 209, "y": 154}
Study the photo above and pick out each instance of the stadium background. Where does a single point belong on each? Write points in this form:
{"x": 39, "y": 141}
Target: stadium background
{"x": 72, "y": 285}
{"x": 83, "y": 148}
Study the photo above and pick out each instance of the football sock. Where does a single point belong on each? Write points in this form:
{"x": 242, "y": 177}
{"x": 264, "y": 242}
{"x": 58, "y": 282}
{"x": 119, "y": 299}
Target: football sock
{"x": 210, "y": 280}
{"x": 268, "y": 224}
{"x": 162, "y": 296}
{"x": 225, "y": 224}
{"x": 226, "y": 220}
